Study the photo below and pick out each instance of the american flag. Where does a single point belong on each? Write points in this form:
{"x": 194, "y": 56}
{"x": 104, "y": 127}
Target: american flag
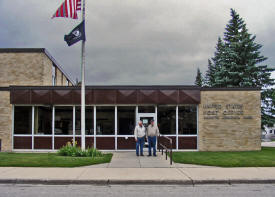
{"x": 68, "y": 9}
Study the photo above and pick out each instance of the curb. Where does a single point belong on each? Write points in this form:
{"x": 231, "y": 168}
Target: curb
{"x": 132, "y": 182}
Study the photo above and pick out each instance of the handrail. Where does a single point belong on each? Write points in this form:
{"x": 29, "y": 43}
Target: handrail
{"x": 166, "y": 143}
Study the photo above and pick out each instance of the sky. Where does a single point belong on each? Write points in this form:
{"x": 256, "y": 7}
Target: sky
{"x": 136, "y": 42}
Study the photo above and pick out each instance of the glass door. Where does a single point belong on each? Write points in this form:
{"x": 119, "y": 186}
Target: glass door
{"x": 146, "y": 119}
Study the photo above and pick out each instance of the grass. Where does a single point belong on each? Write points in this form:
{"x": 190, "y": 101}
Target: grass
{"x": 49, "y": 160}
{"x": 263, "y": 158}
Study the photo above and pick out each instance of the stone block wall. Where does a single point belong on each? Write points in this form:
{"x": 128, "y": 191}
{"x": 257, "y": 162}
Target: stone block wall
{"x": 47, "y": 71}
{"x": 24, "y": 69}
{"x": 5, "y": 121}
{"x": 58, "y": 77}
{"x": 230, "y": 121}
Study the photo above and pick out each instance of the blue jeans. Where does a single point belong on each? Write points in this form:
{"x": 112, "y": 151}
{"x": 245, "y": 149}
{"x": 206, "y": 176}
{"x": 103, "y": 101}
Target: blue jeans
{"x": 139, "y": 145}
{"x": 152, "y": 143}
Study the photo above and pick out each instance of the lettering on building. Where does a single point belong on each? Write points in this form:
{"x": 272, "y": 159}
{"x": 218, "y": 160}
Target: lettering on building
{"x": 230, "y": 111}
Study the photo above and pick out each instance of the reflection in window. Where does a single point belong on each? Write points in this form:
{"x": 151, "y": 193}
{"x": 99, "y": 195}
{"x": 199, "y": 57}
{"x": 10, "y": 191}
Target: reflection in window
{"x": 63, "y": 121}
{"x": 126, "y": 117}
{"x": 167, "y": 119}
{"x": 22, "y": 120}
{"x": 146, "y": 109}
{"x": 43, "y": 120}
{"x": 89, "y": 120}
{"x": 53, "y": 75}
{"x": 105, "y": 120}
{"x": 187, "y": 120}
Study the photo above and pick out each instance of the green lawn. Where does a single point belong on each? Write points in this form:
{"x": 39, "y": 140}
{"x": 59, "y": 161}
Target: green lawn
{"x": 48, "y": 160}
{"x": 263, "y": 158}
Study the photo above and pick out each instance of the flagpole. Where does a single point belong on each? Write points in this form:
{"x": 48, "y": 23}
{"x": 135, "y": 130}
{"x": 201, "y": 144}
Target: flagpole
{"x": 83, "y": 85}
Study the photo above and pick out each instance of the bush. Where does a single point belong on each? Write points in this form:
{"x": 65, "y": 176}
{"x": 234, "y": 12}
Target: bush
{"x": 73, "y": 150}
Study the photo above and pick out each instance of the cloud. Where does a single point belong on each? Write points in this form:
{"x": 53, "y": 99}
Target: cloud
{"x": 135, "y": 41}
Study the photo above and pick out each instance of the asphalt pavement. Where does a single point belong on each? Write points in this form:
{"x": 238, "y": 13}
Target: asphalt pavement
{"x": 242, "y": 190}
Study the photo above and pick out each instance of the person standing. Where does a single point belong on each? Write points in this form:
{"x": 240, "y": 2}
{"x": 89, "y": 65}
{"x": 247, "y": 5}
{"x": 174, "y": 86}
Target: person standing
{"x": 139, "y": 137}
{"x": 152, "y": 133}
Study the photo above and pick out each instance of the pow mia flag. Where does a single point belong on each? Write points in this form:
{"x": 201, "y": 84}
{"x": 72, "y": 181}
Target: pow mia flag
{"x": 77, "y": 34}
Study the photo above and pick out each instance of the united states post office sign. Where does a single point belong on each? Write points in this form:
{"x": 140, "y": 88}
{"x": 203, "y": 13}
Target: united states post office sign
{"x": 231, "y": 111}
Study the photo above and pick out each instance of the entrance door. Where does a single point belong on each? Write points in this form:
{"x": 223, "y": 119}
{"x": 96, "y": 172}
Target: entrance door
{"x": 146, "y": 119}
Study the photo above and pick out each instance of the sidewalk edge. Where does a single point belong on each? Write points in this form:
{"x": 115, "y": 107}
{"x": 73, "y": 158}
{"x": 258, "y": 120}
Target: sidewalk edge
{"x": 132, "y": 182}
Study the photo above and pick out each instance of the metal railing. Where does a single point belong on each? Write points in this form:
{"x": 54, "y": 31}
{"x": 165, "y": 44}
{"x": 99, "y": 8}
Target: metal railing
{"x": 166, "y": 143}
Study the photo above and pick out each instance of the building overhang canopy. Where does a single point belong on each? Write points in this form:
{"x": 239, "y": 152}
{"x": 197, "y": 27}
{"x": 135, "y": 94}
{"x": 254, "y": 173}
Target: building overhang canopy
{"x": 111, "y": 95}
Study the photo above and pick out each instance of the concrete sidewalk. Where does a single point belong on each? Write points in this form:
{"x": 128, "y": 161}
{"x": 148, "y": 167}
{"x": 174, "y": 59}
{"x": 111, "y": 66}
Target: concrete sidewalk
{"x": 202, "y": 175}
{"x": 268, "y": 144}
{"x": 130, "y": 160}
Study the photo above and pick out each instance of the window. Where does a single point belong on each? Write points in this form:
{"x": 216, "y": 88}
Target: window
{"x": 53, "y": 75}
{"x": 105, "y": 120}
{"x": 89, "y": 120}
{"x": 146, "y": 109}
{"x": 126, "y": 118}
{"x": 167, "y": 119}
{"x": 270, "y": 131}
{"x": 42, "y": 120}
{"x": 63, "y": 121}
{"x": 22, "y": 120}
{"x": 187, "y": 120}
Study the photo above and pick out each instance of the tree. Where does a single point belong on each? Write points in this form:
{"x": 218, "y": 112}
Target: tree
{"x": 268, "y": 107}
{"x": 199, "y": 79}
{"x": 209, "y": 78}
{"x": 237, "y": 64}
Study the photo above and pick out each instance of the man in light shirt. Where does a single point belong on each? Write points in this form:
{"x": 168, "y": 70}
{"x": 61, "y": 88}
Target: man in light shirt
{"x": 139, "y": 137}
{"x": 152, "y": 133}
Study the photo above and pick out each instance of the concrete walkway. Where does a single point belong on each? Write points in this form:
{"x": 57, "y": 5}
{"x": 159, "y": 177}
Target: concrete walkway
{"x": 268, "y": 144}
{"x": 130, "y": 160}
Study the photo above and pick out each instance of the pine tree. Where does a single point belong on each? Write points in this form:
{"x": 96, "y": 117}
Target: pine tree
{"x": 268, "y": 107}
{"x": 209, "y": 78}
{"x": 199, "y": 79}
{"x": 236, "y": 63}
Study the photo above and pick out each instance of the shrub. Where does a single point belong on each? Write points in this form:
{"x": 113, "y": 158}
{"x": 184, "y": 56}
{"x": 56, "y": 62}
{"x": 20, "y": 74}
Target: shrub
{"x": 73, "y": 150}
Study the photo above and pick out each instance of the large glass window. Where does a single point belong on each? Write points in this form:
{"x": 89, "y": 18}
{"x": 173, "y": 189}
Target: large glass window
{"x": 89, "y": 120}
{"x": 146, "y": 109}
{"x": 43, "y": 120}
{"x": 126, "y": 118}
{"x": 105, "y": 120}
{"x": 53, "y": 75}
{"x": 187, "y": 120}
{"x": 63, "y": 120}
{"x": 167, "y": 119}
{"x": 22, "y": 120}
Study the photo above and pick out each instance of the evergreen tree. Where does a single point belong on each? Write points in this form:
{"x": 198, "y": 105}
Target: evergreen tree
{"x": 209, "y": 78}
{"x": 268, "y": 107}
{"x": 199, "y": 79}
{"x": 236, "y": 64}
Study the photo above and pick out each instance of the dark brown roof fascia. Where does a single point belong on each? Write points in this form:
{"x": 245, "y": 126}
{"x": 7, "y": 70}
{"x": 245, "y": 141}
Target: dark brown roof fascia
{"x": 231, "y": 89}
{"x": 22, "y": 50}
{"x": 106, "y": 87}
{"x": 4, "y": 88}
{"x": 137, "y": 87}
